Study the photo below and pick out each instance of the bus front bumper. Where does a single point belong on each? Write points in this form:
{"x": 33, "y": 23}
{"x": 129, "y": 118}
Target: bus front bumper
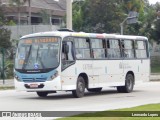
{"x": 53, "y": 85}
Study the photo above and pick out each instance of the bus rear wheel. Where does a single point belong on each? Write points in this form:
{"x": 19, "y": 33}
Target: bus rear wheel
{"x": 129, "y": 84}
{"x": 80, "y": 88}
{"x": 42, "y": 94}
{"x": 94, "y": 89}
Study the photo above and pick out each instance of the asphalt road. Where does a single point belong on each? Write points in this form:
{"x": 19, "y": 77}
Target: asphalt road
{"x": 146, "y": 93}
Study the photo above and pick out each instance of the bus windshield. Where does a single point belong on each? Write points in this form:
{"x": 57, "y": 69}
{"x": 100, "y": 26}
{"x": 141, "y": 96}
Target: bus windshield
{"x": 38, "y": 53}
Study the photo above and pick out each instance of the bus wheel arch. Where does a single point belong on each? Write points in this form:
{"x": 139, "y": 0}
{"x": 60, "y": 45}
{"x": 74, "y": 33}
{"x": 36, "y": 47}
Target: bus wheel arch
{"x": 129, "y": 83}
{"x": 85, "y": 77}
{"x": 132, "y": 73}
{"x": 81, "y": 84}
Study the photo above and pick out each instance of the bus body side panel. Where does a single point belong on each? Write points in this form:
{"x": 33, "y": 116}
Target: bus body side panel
{"x": 140, "y": 69}
{"x": 145, "y": 70}
{"x": 132, "y": 66}
{"x": 112, "y": 73}
{"x": 101, "y": 73}
{"x": 70, "y": 75}
{"x": 69, "y": 78}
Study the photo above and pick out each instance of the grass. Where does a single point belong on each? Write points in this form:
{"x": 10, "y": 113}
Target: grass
{"x": 155, "y": 69}
{"x": 109, "y": 118}
{"x": 155, "y": 64}
{"x": 6, "y": 88}
{"x": 101, "y": 115}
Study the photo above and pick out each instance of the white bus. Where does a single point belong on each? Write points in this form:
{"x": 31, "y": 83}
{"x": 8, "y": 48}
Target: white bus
{"x": 74, "y": 61}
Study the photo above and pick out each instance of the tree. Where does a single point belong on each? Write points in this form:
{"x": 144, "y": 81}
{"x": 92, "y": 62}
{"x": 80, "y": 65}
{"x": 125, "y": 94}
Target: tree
{"x": 104, "y": 16}
{"x": 77, "y": 15}
{"x": 4, "y": 33}
{"x": 3, "y": 20}
{"x": 99, "y": 16}
{"x": 157, "y": 23}
{"x": 5, "y": 38}
{"x": 134, "y": 5}
{"x": 5, "y": 42}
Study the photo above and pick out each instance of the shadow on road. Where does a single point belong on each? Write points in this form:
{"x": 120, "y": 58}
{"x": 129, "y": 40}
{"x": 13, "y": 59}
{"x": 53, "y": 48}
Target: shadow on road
{"x": 68, "y": 95}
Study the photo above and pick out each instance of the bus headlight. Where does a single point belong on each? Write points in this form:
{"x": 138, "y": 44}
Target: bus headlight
{"x": 17, "y": 78}
{"x": 54, "y": 75}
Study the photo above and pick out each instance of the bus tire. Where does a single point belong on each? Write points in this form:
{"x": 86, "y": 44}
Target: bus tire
{"x": 94, "y": 89}
{"x": 129, "y": 84}
{"x": 80, "y": 88}
{"x": 120, "y": 89}
{"x": 42, "y": 94}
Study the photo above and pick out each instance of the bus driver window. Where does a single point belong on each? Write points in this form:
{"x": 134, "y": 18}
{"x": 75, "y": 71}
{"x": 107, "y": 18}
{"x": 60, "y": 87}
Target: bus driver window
{"x": 67, "y": 54}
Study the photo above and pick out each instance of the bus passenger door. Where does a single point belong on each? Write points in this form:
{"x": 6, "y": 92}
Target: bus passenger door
{"x": 68, "y": 66}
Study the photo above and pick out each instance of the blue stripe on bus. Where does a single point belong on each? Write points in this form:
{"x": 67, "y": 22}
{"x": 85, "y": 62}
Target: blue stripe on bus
{"x": 38, "y": 77}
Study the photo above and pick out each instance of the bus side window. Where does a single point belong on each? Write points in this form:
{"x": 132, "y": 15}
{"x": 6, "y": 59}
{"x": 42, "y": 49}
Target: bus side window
{"x": 82, "y": 48}
{"x": 141, "y": 49}
{"x": 128, "y": 49}
{"x": 113, "y": 49}
{"x": 97, "y": 48}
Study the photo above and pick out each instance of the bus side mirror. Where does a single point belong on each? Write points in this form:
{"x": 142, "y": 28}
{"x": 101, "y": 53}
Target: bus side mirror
{"x": 65, "y": 48}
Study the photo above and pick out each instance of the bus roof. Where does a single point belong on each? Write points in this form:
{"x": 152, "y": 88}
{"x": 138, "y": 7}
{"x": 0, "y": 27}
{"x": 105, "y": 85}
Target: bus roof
{"x": 83, "y": 34}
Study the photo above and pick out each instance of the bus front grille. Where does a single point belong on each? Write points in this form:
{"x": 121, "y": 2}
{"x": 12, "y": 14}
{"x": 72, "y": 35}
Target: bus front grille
{"x": 34, "y": 79}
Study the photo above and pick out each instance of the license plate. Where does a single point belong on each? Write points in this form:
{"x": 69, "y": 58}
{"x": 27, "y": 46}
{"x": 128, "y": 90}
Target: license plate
{"x": 33, "y": 85}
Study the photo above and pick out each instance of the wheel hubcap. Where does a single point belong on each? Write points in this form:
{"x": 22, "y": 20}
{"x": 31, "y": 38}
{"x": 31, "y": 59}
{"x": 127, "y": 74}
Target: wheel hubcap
{"x": 129, "y": 83}
{"x": 80, "y": 86}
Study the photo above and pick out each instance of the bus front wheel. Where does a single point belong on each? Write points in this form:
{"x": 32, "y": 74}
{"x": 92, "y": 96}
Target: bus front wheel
{"x": 80, "y": 88}
{"x": 129, "y": 84}
{"x": 42, "y": 94}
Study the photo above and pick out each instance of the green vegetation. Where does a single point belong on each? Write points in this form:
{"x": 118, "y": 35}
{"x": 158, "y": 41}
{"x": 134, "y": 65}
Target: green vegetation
{"x": 4, "y": 33}
{"x": 99, "y": 16}
{"x": 5, "y": 43}
{"x": 155, "y": 64}
{"x": 103, "y": 16}
{"x": 155, "y": 68}
{"x": 101, "y": 115}
{"x": 109, "y": 118}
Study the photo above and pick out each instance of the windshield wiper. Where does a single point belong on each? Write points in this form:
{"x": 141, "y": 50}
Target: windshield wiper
{"x": 27, "y": 58}
{"x": 37, "y": 57}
